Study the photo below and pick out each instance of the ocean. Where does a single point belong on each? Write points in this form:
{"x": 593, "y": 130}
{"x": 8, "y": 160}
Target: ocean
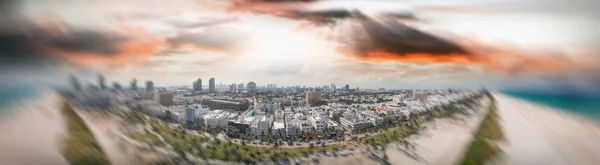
{"x": 13, "y": 94}
{"x": 588, "y": 105}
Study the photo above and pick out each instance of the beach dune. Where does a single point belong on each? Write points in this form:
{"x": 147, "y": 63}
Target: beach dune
{"x": 535, "y": 134}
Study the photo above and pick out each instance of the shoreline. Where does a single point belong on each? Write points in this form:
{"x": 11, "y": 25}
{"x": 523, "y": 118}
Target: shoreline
{"x": 33, "y": 130}
{"x": 537, "y": 134}
{"x": 564, "y": 111}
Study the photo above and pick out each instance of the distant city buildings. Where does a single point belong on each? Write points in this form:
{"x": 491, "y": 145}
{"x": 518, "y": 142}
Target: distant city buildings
{"x": 333, "y": 87}
{"x": 347, "y": 87}
{"x": 211, "y": 85}
{"x": 240, "y": 87}
{"x": 117, "y": 86}
{"x": 251, "y": 87}
{"x": 101, "y": 82}
{"x": 421, "y": 96}
{"x": 233, "y": 88}
{"x": 163, "y": 97}
{"x": 313, "y": 97}
{"x": 197, "y": 85}
{"x": 133, "y": 85}
{"x": 149, "y": 85}
{"x": 75, "y": 83}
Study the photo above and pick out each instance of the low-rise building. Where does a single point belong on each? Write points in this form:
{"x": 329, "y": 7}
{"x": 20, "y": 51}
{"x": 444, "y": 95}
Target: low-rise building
{"x": 353, "y": 124}
{"x": 216, "y": 120}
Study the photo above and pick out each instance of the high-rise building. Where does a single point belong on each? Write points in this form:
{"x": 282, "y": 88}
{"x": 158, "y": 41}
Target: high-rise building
{"x": 197, "y": 86}
{"x": 313, "y": 97}
{"x": 75, "y": 83}
{"x": 333, "y": 87}
{"x": 149, "y": 85}
{"x": 134, "y": 84}
{"x": 347, "y": 88}
{"x": 211, "y": 85}
{"x": 101, "y": 82}
{"x": 251, "y": 87}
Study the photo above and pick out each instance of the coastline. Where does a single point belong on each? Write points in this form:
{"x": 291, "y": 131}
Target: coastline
{"x": 33, "y": 130}
{"x": 442, "y": 142}
{"x": 538, "y": 134}
{"x": 564, "y": 111}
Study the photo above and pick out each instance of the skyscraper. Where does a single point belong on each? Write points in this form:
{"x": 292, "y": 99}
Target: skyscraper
{"x": 251, "y": 87}
{"x": 134, "y": 85}
{"x": 101, "y": 82}
{"x": 333, "y": 87}
{"x": 149, "y": 85}
{"x": 211, "y": 85}
{"x": 347, "y": 87}
{"x": 75, "y": 83}
{"x": 197, "y": 86}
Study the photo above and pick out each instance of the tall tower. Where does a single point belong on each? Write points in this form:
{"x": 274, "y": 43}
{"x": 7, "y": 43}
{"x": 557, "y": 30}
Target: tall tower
{"x": 101, "y": 82}
{"x": 211, "y": 85}
{"x": 134, "y": 84}
{"x": 149, "y": 85}
{"x": 197, "y": 86}
{"x": 251, "y": 87}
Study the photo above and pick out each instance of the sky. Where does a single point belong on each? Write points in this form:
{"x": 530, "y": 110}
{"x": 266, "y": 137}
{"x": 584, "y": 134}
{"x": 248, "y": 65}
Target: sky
{"x": 525, "y": 44}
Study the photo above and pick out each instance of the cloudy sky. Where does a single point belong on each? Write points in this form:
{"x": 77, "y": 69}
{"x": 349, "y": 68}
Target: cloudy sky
{"x": 543, "y": 44}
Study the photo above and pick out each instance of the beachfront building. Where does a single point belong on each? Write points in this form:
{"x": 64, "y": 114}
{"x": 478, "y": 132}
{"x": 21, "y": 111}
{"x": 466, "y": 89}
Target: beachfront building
{"x": 278, "y": 128}
{"x": 353, "y": 124}
{"x": 264, "y": 124}
{"x": 292, "y": 127}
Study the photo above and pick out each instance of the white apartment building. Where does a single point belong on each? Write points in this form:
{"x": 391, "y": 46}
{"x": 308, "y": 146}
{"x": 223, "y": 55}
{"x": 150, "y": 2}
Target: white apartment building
{"x": 277, "y": 126}
{"x": 216, "y": 120}
{"x": 291, "y": 127}
{"x": 319, "y": 123}
{"x": 264, "y": 124}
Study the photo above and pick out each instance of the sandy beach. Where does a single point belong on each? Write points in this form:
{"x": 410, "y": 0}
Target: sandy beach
{"x": 442, "y": 143}
{"x": 537, "y": 134}
{"x": 32, "y": 133}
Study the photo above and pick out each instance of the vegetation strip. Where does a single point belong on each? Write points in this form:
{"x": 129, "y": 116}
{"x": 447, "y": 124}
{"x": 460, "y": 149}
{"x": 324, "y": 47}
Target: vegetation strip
{"x": 482, "y": 147}
{"x": 80, "y": 147}
{"x": 199, "y": 146}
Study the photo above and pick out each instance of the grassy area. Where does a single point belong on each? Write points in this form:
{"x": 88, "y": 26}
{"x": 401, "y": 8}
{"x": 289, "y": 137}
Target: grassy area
{"x": 482, "y": 147}
{"x": 223, "y": 150}
{"x": 148, "y": 138}
{"x": 80, "y": 147}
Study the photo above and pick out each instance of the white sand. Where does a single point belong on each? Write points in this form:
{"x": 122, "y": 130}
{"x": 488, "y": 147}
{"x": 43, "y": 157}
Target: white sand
{"x": 105, "y": 128}
{"x": 32, "y": 134}
{"x": 442, "y": 143}
{"x": 541, "y": 135}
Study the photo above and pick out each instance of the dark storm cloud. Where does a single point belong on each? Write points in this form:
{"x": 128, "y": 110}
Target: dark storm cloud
{"x": 86, "y": 41}
{"x": 395, "y": 38}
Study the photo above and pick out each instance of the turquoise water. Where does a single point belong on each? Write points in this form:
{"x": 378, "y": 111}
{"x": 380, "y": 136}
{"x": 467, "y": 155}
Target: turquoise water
{"x": 12, "y": 94}
{"x": 588, "y": 106}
